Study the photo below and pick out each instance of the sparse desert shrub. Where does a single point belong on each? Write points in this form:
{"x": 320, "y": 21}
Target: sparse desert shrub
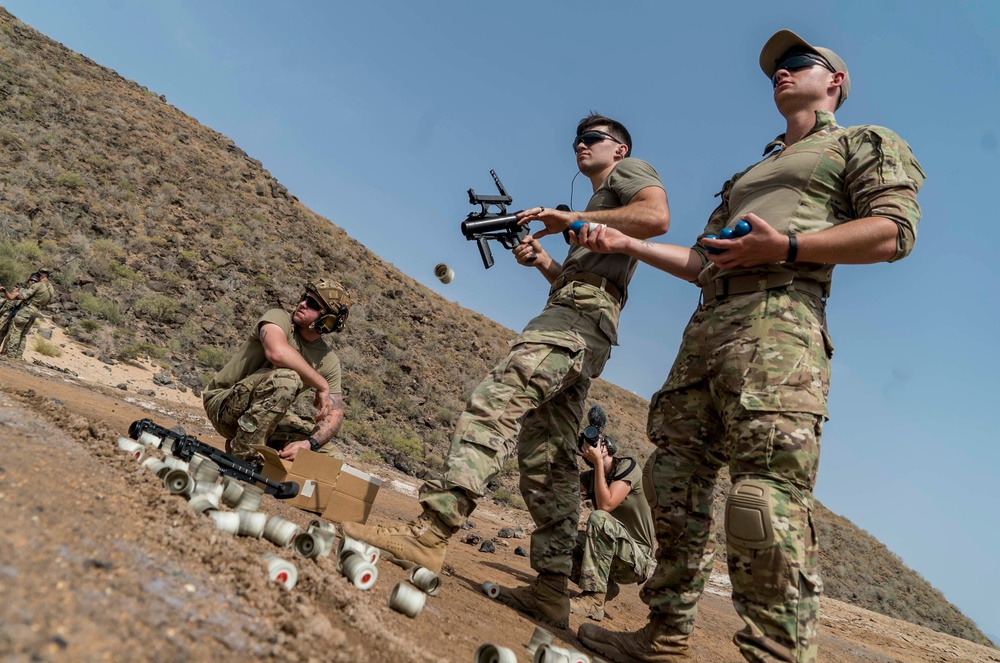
{"x": 369, "y": 456}
{"x": 504, "y": 496}
{"x": 156, "y": 307}
{"x": 212, "y": 356}
{"x": 358, "y": 430}
{"x": 47, "y": 348}
{"x": 69, "y": 180}
{"x": 140, "y": 349}
{"x": 101, "y": 308}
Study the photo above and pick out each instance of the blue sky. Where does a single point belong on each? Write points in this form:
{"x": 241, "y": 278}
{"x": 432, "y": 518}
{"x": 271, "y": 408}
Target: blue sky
{"x": 380, "y": 115}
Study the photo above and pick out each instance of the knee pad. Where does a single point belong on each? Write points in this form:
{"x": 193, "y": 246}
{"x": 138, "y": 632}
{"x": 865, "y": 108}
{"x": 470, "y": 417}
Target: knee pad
{"x": 748, "y": 515}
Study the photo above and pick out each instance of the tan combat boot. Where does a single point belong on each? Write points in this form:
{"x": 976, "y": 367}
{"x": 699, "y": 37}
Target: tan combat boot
{"x": 545, "y": 599}
{"x": 588, "y": 604}
{"x": 422, "y": 542}
{"x": 654, "y": 643}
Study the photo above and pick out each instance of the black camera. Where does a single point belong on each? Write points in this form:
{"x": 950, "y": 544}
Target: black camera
{"x": 591, "y": 435}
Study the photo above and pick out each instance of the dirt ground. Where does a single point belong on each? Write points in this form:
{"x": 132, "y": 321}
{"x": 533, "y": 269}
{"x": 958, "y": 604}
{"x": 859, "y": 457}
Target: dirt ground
{"x": 98, "y": 562}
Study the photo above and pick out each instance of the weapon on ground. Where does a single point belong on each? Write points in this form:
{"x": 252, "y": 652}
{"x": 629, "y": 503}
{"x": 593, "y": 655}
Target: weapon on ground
{"x": 483, "y": 226}
{"x": 185, "y": 446}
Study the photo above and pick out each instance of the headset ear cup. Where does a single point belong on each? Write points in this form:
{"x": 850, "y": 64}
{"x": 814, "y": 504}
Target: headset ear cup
{"x": 341, "y": 322}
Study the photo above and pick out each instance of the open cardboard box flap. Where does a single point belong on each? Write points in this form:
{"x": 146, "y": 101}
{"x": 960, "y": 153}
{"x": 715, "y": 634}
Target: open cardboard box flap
{"x": 326, "y": 485}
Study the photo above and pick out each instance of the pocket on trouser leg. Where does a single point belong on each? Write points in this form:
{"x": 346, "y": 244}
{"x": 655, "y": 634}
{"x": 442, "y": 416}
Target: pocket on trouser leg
{"x": 479, "y": 451}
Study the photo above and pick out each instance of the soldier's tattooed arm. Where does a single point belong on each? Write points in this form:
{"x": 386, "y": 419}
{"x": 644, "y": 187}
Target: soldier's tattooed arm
{"x": 328, "y": 427}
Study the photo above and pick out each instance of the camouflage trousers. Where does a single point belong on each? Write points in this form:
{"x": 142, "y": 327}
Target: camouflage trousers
{"x": 261, "y": 409}
{"x": 532, "y": 403}
{"x": 748, "y": 390}
{"x": 606, "y": 551}
{"x": 15, "y": 325}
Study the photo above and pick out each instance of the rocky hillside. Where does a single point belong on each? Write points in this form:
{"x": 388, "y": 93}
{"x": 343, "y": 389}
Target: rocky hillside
{"x": 168, "y": 240}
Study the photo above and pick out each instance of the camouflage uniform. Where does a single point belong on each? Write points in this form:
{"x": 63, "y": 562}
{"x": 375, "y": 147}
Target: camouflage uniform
{"x": 749, "y": 386}
{"x": 22, "y": 315}
{"x": 250, "y": 402}
{"x": 532, "y": 402}
{"x": 616, "y": 545}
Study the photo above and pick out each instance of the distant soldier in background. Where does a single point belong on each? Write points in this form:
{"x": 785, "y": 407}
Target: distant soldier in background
{"x": 8, "y": 304}
{"x": 617, "y": 544}
{"x": 24, "y": 308}
{"x": 262, "y": 396}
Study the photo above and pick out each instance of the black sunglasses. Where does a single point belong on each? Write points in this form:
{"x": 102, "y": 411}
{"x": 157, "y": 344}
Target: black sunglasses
{"x": 798, "y": 62}
{"x": 592, "y": 137}
{"x": 312, "y": 303}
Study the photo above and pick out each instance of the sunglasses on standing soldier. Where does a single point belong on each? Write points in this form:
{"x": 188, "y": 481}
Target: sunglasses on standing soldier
{"x": 592, "y": 137}
{"x": 797, "y": 62}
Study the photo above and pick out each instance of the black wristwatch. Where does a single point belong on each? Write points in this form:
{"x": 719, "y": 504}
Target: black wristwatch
{"x": 314, "y": 445}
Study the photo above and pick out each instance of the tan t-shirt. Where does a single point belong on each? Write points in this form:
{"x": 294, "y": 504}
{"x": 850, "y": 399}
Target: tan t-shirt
{"x": 633, "y": 513}
{"x": 250, "y": 357}
{"x": 628, "y": 178}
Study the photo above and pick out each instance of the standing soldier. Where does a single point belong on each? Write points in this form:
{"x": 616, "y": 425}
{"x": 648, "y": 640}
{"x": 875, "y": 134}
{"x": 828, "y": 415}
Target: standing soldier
{"x": 25, "y": 307}
{"x": 532, "y": 402}
{"x": 748, "y": 389}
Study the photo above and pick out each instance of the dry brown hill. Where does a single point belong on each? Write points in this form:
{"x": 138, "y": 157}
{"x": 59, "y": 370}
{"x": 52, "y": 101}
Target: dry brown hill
{"x": 168, "y": 241}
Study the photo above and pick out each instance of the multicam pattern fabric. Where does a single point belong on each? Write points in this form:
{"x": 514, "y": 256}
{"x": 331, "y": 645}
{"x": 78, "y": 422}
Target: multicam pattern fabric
{"x": 748, "y": 391}
{"x": 607, "y": 551}
{"x": 531, "y": 404}
{"x": 265, "y": 409}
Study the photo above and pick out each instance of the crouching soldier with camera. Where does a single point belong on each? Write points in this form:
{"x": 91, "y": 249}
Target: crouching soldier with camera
{"x": 617, "y": 546}
{"x": 282, "y": 388}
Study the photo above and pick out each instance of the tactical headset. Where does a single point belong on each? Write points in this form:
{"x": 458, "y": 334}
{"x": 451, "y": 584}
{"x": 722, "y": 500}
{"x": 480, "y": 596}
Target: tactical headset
{"x": 335, "y": 299}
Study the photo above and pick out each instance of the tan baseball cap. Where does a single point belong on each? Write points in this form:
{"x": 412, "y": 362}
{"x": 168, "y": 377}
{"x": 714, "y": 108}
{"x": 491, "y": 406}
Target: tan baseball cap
{"x": 784, "y": 40}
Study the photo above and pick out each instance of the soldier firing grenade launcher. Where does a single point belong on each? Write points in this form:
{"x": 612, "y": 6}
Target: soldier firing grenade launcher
{"x": 741, "y": 228}
{"x": 482, "y": 226}
{"x": 185, "y": 446}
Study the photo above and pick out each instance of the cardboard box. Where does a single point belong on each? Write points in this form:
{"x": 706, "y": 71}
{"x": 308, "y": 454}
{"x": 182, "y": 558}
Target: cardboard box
{"x": 326, "y": 485}
{"x": 353, "y": 496}
{"x": 315, "y": 473}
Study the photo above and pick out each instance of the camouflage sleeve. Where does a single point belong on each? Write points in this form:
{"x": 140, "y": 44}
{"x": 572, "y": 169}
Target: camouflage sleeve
{"x": 882, "y": 178}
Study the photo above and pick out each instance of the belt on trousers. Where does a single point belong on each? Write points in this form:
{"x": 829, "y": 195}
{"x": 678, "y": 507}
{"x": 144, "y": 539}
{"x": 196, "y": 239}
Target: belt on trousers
{"x": 727, "y": 286}
{"x": 590, "y": 279}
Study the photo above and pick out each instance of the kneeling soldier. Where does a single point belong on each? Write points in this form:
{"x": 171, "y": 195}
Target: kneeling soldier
{"x": 255, "y": 399}
{"x": 617, "y": 546}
